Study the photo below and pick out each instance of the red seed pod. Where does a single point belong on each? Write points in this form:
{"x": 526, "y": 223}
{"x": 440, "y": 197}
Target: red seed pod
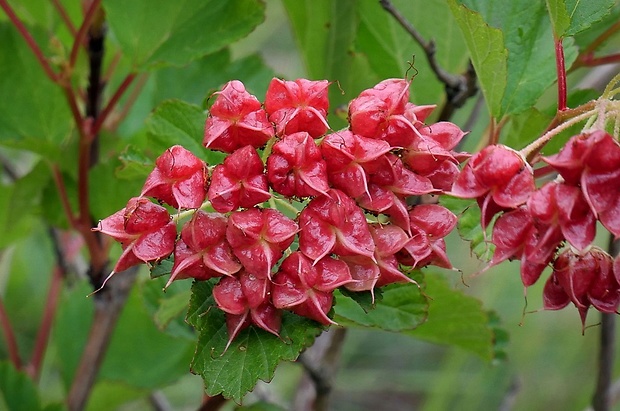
{"x": 179, "y": 179}
{"x": 587, "y": 279}
{"x": 299, "y": 105}
{"x": 498, "y": 177}
{"x": 379, "y": 113}
{"x": 295, "y": 167}
{"x": 592, "y": 161}
{"x": 203, "y": 252}
{"x": 259, "y": 237}
{"x": 306, "y": 288}
{"x": 245, "y": 300}
{"x": 430, "y": 223}
{"x": 239, "y": 181}
{"x": 334, "y": 224}
{"x": 347, "y": 155}
{"x": 236, "y": 119}
{"x": 144, "y": 230}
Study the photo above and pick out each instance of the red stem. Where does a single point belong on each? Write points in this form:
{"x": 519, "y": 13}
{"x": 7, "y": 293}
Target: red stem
{"x": 45, "y": 328}
{"x": 62, "y": 193}
{"x": 30, "y": 40}
{"x": 589, "y": 61}
{"x": 600, "y": 40}
{"x": 561, "y": 71}
{"x": 130, "y": 101}
{"x": 81, "y": 34}
{"x": 65, "y": 17}
{"x": 110, "y": 106}
{"x": 9, "y": 335}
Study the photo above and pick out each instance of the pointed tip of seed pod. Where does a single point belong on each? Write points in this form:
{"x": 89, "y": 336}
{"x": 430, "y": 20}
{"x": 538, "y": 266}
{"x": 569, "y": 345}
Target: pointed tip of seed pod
{"x": 102, "y": 285}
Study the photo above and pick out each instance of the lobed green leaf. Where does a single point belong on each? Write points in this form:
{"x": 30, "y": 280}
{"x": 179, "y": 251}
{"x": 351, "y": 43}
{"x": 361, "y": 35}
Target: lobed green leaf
{"x": 252, "y": 356}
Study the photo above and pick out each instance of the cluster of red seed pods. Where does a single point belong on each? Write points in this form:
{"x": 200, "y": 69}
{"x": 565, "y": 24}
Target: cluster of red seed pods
{"x": 355, "y": 228}
{"x": 554, "y": 224}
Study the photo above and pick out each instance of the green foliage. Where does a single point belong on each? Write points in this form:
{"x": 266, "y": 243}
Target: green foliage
{"x": 17, "y": 391}
{"x": 34, "y": 115}
{"x": 253, "y": 355}
{"x": 170, "y": 33}
{"x": 402, "y": 307}
{"x": 456, "y": 319}
{"x": 488, "y": 54}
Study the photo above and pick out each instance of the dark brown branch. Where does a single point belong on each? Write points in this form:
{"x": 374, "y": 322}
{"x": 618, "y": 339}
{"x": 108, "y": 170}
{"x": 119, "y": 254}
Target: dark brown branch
{"x": 602, "y": 399}
{"x": 458, "y": 87}
{"x": 321, "y": 362}
{"x": 109, "y": 303}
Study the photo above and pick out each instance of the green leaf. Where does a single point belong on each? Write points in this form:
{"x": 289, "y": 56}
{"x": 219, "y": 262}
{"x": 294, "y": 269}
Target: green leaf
{"x": 584, "y": 14}
{"x": 137, "y": 343}
{"x": 455, "y": 319}
{"x": 529, "y": 43}
{"x": 365, "y": 299}
{"x": 525, "y": 127}
{"x": 106, "y": 195}
{"x": 488, "y": 54}
{"x": 403, "y": 307}
{"x": 198, "y": 80}
{"x": 163, "y": 267}
{"x": 107, "y": 395}
{"x": 176, "y": 122}
{"x": 71, "y": 325}
{"x": 253, "y": 355}
{"x": 133, "y": 164}
{"x": 468, "y": 224}
{"x": 177, "y": 32}
{"x": 325, "y": 32}
{"x": 17, "y": 391}
{"x": 168, "y": 308}
{"x": 560, "y": 20}
{"x": 33, "y": 114}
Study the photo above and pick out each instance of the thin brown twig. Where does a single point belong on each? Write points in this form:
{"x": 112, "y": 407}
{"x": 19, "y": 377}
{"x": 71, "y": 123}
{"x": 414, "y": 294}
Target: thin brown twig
{"x": 64, "y": 16}
{"x": 458, "y": 87}
{"x": 321, "y": 363}
{"x": 23, "y": 31}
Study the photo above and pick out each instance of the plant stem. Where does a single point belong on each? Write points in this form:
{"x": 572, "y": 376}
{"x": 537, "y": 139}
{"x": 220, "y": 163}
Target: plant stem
{"x": 321, "y": 362}
{"x": 602, "y": 398}
{"x": 9, "y": 336}
{"x": 113, "y": 101}
{"x": 109, "y": 303}
{"x": 89, "y": 17}
{"x": 49, "y": 312}
{"x": 458, "y": 87}
{"x": 30, "y": 40}
{"x": 65, "y": 17}
{"x": 561, "y": 73}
